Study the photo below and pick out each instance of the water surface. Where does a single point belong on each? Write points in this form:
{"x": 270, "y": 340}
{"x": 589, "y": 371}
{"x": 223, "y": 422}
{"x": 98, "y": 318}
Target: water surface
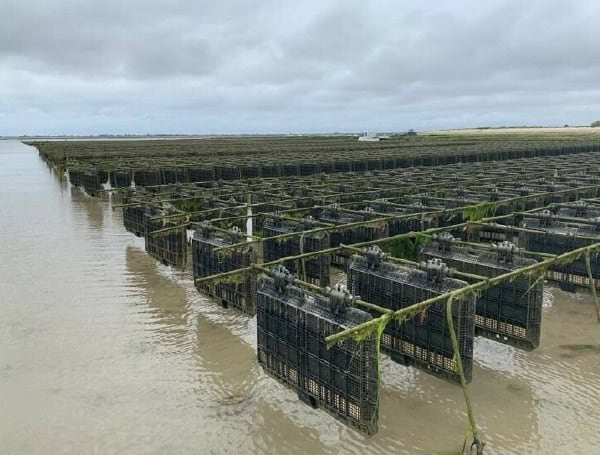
{"x": 102, "y": 350}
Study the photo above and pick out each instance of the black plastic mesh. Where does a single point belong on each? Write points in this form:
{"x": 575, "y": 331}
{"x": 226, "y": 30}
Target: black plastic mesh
{"x": 316, "y": 270}
{"x": 134, "y": 219}
{"x": 291, "y": 330}
{"x": 169, "y": 247}
{"x": 206, "y": 262}
{"x": 423, "y": 340}
{"x": 511, "y": 312}
{"x": 555, "y": 237}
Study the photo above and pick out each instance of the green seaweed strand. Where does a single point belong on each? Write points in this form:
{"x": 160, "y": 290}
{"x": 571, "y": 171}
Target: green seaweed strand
{"x": 588, "y": 268}
{"x": 479, "y": 211}
{"x": 408, "y": 248}
{"x": 472, "y": 427}
{"x": 302, "y": 268}
{"x": 380, "y": 329}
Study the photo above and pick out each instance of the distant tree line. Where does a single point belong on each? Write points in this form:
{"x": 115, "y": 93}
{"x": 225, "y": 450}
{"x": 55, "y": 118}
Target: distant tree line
{"x": 596, "y": 124}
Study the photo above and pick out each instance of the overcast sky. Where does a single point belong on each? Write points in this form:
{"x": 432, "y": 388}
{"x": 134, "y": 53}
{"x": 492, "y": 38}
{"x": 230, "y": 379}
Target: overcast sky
{"x": 242, "y": 66}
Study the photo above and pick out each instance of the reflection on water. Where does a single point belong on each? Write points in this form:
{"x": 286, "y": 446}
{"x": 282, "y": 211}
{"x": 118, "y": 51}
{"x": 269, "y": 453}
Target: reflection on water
{"x": 104, "y": 350}
{"x": 81, "y": 202}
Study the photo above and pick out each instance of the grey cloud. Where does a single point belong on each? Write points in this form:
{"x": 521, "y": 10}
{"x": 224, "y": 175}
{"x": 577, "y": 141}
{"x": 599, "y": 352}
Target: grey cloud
{"x": 240, "y": 66}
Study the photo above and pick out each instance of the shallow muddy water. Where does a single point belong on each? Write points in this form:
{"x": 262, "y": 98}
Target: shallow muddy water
{"x": 102, "y": 350}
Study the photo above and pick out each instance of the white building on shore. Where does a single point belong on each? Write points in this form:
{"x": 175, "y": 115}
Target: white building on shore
{"x": 371, "y": 137}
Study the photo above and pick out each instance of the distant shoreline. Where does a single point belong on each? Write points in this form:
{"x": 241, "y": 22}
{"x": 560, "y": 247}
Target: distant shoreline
{"x": 584, "y": 130}
{"x": 116, "y": 137}
{"x": 521, "y": 130}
